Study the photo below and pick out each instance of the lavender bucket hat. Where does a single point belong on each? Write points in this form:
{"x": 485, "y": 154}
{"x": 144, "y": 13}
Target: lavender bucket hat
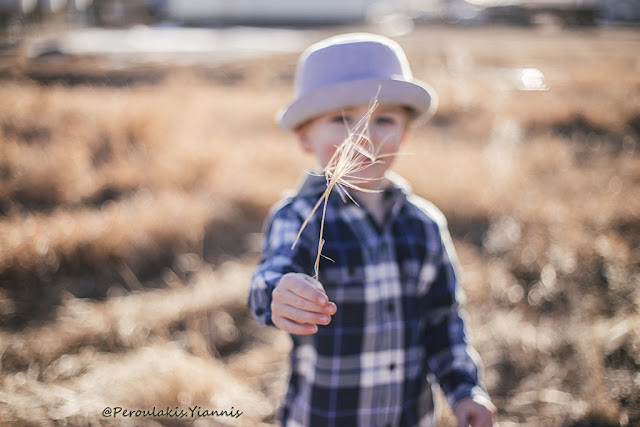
{"x": 350, "y": 70}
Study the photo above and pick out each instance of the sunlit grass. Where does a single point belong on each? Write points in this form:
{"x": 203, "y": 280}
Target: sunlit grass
{"x": 127, "y": 216}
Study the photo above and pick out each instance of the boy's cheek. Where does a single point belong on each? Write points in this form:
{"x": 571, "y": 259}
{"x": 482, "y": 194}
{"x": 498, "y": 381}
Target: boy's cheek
{"x": 327, "y": 154}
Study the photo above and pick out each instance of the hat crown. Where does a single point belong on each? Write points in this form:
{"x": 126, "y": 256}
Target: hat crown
{"x": 350, "y": 57}
{"x": 351, "y": 70}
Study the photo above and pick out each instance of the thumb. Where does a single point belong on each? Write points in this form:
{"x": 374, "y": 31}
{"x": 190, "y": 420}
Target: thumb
{"x": 313, "y": 281}
{"x": 320, "y": 287}
{"x": 464, "y": 417}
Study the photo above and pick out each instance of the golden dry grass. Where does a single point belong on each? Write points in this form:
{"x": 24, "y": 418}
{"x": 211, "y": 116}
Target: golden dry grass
{"x": 129, "y": 219}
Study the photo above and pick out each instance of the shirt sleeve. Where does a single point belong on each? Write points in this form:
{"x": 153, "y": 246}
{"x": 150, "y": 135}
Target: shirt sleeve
{"x": 452, "y": 360}
{"x": 278, "y": 258}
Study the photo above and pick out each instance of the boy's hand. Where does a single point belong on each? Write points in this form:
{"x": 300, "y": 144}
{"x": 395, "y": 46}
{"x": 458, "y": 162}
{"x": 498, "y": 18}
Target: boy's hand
{"x": 297, "y": 306}
{"x": 475, "y": 412}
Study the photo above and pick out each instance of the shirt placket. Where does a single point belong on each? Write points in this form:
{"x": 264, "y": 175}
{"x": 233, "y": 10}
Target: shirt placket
{"x": 387, "y": 315}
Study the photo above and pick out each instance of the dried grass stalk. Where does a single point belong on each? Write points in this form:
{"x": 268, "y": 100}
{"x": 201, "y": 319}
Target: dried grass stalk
{"x": 356, "y": 153}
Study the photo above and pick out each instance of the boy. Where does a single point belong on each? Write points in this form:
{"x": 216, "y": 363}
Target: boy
{"x": 383, "y": 326}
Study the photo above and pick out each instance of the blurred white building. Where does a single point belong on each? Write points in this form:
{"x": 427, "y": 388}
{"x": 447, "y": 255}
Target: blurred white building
{"x": 280, "y": 11}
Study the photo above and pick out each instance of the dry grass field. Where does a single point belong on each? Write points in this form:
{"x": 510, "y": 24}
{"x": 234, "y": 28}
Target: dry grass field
{"x": 131, "y": 202}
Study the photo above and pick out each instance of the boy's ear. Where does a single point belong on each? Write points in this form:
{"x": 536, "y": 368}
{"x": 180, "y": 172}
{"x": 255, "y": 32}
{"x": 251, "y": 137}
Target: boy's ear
{"x": 303, "y": 138}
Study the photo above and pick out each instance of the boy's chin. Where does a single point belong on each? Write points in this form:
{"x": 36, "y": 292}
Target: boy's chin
{"x": 370, "y": 181}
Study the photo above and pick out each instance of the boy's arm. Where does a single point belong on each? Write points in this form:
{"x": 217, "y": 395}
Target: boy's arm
{"x": 451, "y": 359}
{"x": 277, "y": 260}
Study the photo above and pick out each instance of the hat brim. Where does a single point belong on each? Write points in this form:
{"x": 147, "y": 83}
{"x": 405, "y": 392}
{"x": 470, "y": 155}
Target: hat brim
{"x": 416, "y": 95}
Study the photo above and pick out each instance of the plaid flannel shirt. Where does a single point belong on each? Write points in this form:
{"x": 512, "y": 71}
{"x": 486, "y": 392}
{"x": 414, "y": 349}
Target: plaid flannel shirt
{"x": 397, "y": 329}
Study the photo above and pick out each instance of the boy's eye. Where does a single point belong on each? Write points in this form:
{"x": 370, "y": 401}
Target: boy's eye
{"x": 385, "y": 120}
{"x": 339, "y": 118}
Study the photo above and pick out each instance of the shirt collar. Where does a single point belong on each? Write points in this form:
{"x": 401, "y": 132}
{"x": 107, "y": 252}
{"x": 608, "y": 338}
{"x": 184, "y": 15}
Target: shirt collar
{"x": 314, "y": 184}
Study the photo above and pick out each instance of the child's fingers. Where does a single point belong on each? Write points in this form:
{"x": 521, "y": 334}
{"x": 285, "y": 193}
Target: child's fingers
{"x": 329, "y": 307}
{"x": 294, "y": 300}
{"x": 313, "y": 282}
{"x": 299, "y": 285}
{"x": 320, "y": 287}
{"x": 296, "y": 321}
{"x": 296, "y": 291}
{"x": 301, "y": 316}
{"x": 296, "y": 328}
{"x": 297, "y": 306}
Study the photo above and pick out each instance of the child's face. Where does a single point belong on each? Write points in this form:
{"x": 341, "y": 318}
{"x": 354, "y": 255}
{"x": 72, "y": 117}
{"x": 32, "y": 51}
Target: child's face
{"x": 387, "y": 130}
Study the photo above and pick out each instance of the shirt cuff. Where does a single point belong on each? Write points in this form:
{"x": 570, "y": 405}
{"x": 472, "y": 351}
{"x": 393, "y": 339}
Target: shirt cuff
{"x": 260, "y": 300}
{"x": 465, "y": 391}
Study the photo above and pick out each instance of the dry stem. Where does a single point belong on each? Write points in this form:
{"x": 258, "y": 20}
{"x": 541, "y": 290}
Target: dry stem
{"x": 341, "y": 172}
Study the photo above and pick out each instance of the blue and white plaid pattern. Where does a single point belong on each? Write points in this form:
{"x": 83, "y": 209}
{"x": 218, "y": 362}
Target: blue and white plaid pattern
{"x": 397, "y": 325}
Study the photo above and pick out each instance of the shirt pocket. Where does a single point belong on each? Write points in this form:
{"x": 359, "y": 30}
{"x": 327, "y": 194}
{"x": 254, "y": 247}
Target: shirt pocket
{"x": 345, "y": 286}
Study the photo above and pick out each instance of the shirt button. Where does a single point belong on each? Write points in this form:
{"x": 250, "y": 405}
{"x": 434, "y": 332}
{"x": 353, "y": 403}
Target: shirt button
{"x": 390, "y": 307}
{"x": 351, "y": 271}
{"x": 392, "y": 366}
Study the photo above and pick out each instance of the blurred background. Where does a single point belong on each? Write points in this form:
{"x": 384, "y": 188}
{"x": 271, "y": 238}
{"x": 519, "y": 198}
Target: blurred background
{"x": 208, "y": 12}
{"x": 139, "y": 157}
